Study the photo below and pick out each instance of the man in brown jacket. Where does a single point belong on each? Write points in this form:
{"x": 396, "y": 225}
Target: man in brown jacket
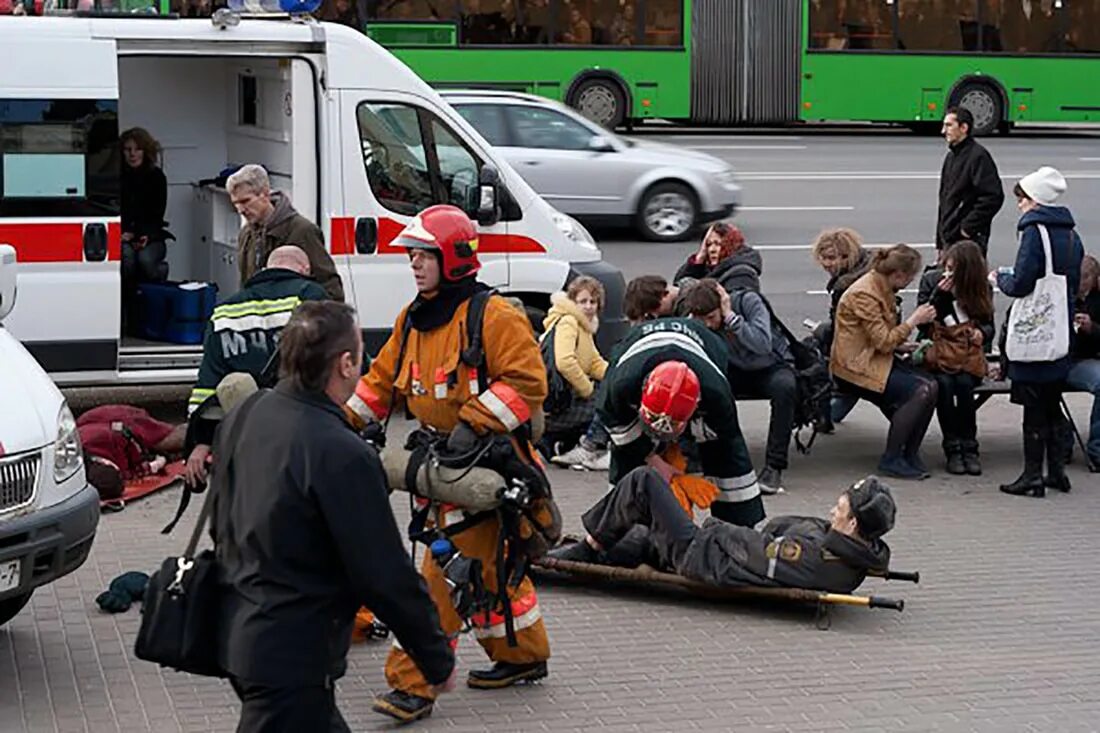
{"x": 272, "y": 223}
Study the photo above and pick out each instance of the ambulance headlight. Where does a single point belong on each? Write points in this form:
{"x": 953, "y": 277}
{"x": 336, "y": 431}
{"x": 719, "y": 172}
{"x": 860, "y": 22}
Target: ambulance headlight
{"x": 67, "y": 452}
{"x": 573, "y": 230}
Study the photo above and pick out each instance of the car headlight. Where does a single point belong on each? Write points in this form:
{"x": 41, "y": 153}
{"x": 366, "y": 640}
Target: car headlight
{"x": 573, "y": 230}
{"x": 68, "y": 454}
{"x": 726, "y": 176}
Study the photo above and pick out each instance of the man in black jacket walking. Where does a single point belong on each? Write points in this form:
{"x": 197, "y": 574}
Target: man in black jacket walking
{"x": 304, "y": 536}
{"x": 970, "y": 185}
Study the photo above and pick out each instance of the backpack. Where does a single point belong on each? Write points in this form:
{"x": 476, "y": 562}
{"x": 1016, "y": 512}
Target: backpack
{"x": 559, "y": 395}
{"x": 811, "y": 369}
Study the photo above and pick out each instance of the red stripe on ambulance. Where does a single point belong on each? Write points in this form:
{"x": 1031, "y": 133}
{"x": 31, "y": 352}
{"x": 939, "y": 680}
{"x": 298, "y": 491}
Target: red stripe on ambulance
{"x": 56, "y": 241}
{"x": 343, "y": 239}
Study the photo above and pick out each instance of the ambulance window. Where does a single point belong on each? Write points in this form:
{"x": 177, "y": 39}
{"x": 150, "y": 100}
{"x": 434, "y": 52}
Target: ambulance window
{"x": 413, "y": 160}
{"x": 59, "y": 157}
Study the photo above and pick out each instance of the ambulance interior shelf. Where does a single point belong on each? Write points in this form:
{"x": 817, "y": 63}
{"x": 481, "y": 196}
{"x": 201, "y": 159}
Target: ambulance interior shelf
{"x": 216, "y": 226}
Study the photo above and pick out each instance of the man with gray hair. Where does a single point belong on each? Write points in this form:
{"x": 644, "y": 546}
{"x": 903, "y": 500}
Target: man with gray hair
{"x": 273, "y": 222}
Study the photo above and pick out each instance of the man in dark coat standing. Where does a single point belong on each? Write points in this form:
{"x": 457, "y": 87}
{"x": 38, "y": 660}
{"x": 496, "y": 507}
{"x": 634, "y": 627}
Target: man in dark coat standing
{"x": 304, "y": 536}
{"x": 970, "y": 185}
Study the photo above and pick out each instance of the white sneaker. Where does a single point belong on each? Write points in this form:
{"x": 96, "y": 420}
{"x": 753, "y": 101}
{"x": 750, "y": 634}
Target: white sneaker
{"x": 600, "y": 461}
{"x": 573, "y": 457}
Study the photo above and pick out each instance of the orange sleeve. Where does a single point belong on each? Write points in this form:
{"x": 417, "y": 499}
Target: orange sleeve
{"x": 517, "y": 377}
{"x": 371, "y": 401}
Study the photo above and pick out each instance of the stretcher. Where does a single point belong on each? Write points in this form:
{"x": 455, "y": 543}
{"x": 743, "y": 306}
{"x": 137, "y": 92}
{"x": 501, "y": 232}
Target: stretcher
{"x": 648, "y": 577}
{"x": 137, "y": 488}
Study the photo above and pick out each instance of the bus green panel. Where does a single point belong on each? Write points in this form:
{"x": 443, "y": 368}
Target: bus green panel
{"x": 444, "y": 35}
{"x": 661, "y": 76}
{"x": 884, "y": 87}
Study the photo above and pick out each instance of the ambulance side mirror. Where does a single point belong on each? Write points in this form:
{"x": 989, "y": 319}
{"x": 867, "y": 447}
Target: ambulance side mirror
{"x": 488, "y": 207}
{"x": 7, "y": 280}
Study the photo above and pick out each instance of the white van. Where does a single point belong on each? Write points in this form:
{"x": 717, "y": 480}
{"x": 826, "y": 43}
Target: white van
{"x": 355, "y": 138}
{"x": 48, "y": 512}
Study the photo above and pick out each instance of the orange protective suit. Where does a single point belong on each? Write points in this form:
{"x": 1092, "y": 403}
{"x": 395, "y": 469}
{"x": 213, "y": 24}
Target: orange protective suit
{"x": 440, "y": 391}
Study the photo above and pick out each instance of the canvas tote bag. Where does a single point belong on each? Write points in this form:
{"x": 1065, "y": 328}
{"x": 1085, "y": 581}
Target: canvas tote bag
{"x": 1038, "y": 324}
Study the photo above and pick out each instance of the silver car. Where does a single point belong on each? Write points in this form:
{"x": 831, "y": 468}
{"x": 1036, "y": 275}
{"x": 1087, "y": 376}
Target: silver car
{"x": 595, "y": 175}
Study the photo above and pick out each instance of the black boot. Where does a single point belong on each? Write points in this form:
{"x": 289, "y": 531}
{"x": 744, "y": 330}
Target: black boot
{"x": 1056, "y": 477}
{"x": 971, "y": 462}
{"x": 403, "y": 706}
{"x": 953, "y": 451}
{"x": 1030, "y": 482}
{"x": 505, "y": 674}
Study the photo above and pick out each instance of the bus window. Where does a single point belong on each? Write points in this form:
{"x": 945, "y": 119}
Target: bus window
{"x": 934, "y": 25}
{"x": 612, "y": 22}
{"x": 59, "y": 157}
{"x": 1030, "y": 26}
{"x": 1082, "y": 32}
{"x": 576, "y": 29}
{"x": 856, "y": 25}
{"x": 664, "y": 23}
{"x": 488, "y": 22}
{"x": 409, "y": 10}
{"x": 533, "y": 22}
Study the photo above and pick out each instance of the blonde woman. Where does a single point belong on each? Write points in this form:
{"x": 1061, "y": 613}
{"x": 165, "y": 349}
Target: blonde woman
{"x": 572, "y": 324}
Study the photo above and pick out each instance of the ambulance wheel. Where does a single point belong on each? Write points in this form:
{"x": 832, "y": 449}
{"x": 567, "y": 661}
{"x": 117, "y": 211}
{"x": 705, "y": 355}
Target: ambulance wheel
{"x": 10, "y": 607}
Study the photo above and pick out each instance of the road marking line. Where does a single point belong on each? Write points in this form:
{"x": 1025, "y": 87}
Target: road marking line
{"x": 880, "y": 176}
{"x": 797, "y": 208}
{"x": 1090, "y": 160}
{"x": 796, "y": 247}
{"x": 745, "y": 147}
{"x": 735, "y": 138}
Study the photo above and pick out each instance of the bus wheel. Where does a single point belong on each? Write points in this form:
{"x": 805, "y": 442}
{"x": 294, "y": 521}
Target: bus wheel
{"x": 984, "y": 103}
{"x": 667, "y": 212}
{"x": 601, "y": 100}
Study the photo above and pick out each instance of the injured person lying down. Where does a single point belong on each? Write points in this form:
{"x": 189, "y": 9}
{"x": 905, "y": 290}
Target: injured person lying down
{"x": 645, "y": 520}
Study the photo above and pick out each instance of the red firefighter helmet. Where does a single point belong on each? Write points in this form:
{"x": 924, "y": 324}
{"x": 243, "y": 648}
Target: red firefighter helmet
{"x": 669, "y": 399}
{"x": 445, "y": 229}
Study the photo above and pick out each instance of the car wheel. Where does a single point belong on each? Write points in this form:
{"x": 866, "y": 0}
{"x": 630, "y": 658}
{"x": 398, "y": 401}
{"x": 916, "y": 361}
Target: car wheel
{"x": 9, "y": 607}
{"x": 667, "y": 212}
{"x": 984, "y": 103}
{"x": 600, "y": 100}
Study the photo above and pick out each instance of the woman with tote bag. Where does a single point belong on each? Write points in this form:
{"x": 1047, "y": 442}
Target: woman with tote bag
{"x": 1040, "y": 325}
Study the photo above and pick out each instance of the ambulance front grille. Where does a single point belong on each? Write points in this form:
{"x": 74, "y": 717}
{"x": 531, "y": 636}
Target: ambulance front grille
{"x": 18, "y": 480}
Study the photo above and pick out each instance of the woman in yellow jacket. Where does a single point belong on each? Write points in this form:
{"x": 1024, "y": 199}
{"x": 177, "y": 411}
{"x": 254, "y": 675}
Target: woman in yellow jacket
{"x": 572, "y": 323}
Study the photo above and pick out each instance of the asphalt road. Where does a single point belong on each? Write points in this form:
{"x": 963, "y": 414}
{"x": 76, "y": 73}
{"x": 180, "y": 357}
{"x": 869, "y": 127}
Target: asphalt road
{"x": 883, "y": 183}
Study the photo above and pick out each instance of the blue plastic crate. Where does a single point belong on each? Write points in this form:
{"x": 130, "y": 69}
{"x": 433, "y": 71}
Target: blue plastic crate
{"x": 175, "y": 312}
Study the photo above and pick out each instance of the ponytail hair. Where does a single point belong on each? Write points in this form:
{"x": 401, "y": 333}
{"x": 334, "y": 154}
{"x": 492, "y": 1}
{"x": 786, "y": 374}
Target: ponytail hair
{"x": 899, "y": 258}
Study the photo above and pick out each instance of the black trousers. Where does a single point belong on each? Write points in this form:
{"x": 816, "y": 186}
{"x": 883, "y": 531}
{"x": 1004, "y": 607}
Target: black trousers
{"x": 780, "y": 386}
{"x": 267, "y": 709}
{"x": 643, "y": 498}
{"x": 955, "y": 407}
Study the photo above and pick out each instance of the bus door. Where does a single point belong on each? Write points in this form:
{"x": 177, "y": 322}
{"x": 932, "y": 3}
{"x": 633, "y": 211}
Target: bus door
{"x": 59, "y": 200}
{"x": 400, "y": 157}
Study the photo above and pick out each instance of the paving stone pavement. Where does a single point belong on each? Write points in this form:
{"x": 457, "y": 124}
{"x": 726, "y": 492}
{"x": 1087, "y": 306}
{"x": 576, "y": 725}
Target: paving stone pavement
{"x": 1002, "y": 634}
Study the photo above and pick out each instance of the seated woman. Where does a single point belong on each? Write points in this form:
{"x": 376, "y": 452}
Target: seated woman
{"x": 960, "y": 336}
{"x": 840, "y": 253}
{"x": 572, "y": 322}
{"x": 724, "y": 256}
{"x": 863, "y": 360}
{"x": 144, "y": 192}
{"x": 640, "y": 520}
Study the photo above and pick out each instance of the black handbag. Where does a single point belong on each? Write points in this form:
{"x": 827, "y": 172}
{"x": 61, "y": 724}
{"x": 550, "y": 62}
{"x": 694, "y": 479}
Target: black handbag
{"x": 180, "y": 612}
{"x": 559, "y": 395}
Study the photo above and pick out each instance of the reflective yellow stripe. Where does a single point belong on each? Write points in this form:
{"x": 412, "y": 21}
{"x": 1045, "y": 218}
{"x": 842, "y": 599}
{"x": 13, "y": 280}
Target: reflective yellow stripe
{"x": 256, "y": 307}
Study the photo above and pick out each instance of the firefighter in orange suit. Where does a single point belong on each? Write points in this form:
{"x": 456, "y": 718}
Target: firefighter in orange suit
{"x": 444, "y": 395}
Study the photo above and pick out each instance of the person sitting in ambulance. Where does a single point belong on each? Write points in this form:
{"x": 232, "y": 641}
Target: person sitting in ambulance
{"x": 144, "y": 197}
{"x": 122, "y": 442}
{"x": 644, "y": 519}
{"x": 242, "y": 336}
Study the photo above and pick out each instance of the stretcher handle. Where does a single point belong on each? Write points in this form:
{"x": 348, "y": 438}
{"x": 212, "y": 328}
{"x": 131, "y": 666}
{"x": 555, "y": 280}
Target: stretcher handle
{"x": 879, "y": 602}
{"x": 900, "y": 575}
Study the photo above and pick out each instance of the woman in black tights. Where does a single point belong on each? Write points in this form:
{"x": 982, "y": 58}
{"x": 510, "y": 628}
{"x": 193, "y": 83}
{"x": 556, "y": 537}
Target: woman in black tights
{"x": 863, "y": 361}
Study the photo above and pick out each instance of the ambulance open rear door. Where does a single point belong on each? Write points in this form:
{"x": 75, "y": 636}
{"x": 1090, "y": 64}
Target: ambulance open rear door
{"x": 59, "y": 199}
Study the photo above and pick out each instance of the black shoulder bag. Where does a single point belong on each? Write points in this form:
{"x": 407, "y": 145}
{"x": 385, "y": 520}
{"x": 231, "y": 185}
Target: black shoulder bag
{"x": 179, "y": 615}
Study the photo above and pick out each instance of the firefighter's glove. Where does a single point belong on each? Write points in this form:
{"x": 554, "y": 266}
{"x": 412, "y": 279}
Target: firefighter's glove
{"x": 467, "y": 588}
{"x": 462, "y": 440}
{"x": 374, "y": 433}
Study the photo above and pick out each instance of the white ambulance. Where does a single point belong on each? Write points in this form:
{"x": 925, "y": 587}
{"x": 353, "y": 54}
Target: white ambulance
{"x": 355, "y": 138}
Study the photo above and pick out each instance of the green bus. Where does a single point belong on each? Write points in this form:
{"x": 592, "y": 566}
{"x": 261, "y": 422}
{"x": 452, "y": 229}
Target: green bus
{"x": 762, "y": 62}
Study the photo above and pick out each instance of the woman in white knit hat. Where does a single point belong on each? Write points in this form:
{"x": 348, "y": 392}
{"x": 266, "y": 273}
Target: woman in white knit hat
{"x": 1037, "y": 385}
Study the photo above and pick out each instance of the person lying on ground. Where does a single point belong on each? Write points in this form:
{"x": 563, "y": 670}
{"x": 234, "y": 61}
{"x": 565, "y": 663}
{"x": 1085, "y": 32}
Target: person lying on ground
{"x": 644, "y": 519}
{"x": 122, "y": 442}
